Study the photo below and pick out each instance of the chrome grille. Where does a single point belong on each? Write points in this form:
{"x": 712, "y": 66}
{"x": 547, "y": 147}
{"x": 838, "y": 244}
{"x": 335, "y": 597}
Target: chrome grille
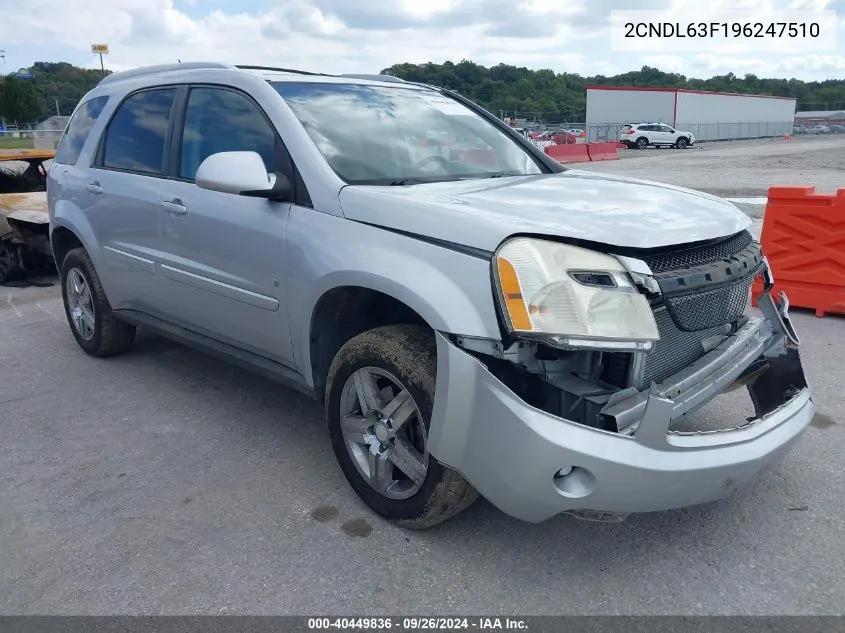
{"x": 675, "y": 350}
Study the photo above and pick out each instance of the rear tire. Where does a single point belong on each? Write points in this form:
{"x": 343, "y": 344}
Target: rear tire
{"x": 642, "y": 142}
{"x": 88, "y": 312}
{"x": 395, "y": 363}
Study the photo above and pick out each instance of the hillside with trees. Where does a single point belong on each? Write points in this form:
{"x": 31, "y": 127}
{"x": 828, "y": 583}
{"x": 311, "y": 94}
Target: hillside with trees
{"x": 54, "y": 87}
{"x": 507, "y": 89}
{"x": 501, "y": 88}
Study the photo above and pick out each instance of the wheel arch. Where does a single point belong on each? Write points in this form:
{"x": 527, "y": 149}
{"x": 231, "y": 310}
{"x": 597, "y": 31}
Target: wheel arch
{"x": 69, "y": 229}
{"x": 342, "y": 312}
{"x": 62, "y": 241}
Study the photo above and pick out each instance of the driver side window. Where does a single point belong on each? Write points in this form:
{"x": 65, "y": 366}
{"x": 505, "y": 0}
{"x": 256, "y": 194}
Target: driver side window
{"x": 221, "y": 120}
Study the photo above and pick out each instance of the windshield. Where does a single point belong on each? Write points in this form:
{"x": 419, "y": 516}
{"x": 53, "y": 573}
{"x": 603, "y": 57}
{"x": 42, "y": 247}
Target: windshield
{"x": 398, "y": 136}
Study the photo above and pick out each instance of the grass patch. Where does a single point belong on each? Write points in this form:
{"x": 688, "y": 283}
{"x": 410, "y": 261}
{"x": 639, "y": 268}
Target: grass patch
{"x": 15, "y": 143}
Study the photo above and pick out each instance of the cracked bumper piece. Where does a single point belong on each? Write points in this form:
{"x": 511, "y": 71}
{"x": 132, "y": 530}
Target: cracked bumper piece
{"x": 511, "y": 452}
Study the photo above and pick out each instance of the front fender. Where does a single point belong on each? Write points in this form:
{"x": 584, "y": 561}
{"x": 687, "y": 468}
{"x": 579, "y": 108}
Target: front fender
{"x": 451, "y": 290}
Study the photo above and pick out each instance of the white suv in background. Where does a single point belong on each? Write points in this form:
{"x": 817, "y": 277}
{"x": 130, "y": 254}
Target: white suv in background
{"x": 643, "y": 135}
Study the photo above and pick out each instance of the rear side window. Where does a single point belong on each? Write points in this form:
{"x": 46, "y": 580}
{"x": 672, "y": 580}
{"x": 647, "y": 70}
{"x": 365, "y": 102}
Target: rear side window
{"x": 135, "y": 140}
{"x": 78, "y": 129}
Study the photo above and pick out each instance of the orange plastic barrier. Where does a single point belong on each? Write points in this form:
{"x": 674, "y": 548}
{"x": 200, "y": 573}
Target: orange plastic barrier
{"x": 602, "y": 151}
{"x": 576, "y": 153}
{"x": 804, "y": 240}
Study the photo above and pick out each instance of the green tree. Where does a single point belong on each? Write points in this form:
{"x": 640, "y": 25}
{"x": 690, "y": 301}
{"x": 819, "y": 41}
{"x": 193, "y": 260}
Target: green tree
{"x": 19, "y": 101}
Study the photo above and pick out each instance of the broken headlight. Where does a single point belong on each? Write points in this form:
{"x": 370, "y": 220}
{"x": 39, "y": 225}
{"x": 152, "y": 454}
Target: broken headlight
{"x": 571, "y": 297}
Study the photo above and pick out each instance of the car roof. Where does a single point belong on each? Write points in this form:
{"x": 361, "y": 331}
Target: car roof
{"x": 268, "y": 73}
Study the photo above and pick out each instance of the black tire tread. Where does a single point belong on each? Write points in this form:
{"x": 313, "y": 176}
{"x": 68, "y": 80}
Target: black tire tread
{"x": 412, "y": 349}
{"x": 114, "y": 336}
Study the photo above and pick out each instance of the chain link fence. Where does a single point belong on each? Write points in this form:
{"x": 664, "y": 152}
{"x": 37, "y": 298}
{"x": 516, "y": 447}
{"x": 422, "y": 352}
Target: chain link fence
{"x": 703, "y": 131}
{"x": 30, "y": 135}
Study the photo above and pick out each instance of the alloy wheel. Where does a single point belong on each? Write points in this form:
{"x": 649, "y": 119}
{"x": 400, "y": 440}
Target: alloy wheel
{"x": 80, "y": 303}
{"x": 384, "y": 433}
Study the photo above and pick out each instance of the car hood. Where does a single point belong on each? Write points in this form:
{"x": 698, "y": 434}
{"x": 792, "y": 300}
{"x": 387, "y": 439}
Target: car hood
{"x": 612, "y": 210}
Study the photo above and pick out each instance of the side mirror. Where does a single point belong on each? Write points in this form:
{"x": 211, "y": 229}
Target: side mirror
{"x": 243, "y": 174}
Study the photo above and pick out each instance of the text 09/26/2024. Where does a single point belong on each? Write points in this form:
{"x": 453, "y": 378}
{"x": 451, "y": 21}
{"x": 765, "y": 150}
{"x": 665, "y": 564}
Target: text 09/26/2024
{"x": 788, "y": 32}
{"x": 416, "y": 623}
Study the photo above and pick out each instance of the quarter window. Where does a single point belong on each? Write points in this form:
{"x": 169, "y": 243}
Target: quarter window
{"x": 135, "y": 140}
{"x": 219, "y": 120}
{"x": 78, "y": 129}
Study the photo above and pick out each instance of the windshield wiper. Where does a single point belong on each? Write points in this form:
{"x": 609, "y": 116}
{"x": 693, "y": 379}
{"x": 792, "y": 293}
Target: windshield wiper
{"x": 503, "y": 174}
{"x": 405, "y": 181}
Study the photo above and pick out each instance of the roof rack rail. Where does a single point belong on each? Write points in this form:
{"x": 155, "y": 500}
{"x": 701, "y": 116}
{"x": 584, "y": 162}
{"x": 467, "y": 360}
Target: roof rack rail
{"x": 374, "y": 77}
{"x": 160, "y": 68}
{"x": 281, "y": 70}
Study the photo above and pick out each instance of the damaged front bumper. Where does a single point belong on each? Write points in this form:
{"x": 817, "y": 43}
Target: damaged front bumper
{"x": 533, "y": 465}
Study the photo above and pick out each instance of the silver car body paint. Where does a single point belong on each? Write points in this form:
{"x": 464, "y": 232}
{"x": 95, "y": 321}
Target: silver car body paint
{"x": 428, "y": 246}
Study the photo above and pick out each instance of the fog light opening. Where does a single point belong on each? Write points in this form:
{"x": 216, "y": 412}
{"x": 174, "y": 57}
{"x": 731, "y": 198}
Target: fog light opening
{"x": 574, "y": 482}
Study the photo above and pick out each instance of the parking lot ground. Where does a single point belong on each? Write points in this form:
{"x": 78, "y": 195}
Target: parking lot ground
{"x": 738, "y": 169}
{"x": 162, "y": 481}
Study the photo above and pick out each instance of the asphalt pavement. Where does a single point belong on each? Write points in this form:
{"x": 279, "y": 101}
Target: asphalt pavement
{"x": 166, "y": 482}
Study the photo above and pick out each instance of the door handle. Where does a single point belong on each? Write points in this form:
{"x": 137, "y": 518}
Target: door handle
{"x": 94, "y": 187}
{"x": 174, "y": 206}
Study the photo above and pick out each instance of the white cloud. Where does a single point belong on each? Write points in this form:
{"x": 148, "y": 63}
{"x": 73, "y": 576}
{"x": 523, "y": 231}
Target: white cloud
{"x": 666, "y": 63}
{"x": 348, "y": 36}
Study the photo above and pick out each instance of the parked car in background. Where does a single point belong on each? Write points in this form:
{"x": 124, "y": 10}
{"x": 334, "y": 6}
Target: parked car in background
{"x": 837, "y": 129}
{"x": 479, "y": 321}
{"x": 558, "y": 137}
{"x": 798, "y": 130}
{"x": 818, "y": 129}
{"x": 643, "y": 135}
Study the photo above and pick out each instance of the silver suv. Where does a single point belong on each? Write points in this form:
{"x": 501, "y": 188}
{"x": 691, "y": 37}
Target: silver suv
{"x": 477, "y": 318}
{"x": 643, "y": 135}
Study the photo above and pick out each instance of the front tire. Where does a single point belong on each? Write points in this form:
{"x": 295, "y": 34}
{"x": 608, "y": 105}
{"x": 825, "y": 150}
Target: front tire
{"x": 88, "y": 312}
{"x": 681, "y": 143}
{"x": 379, "y": 400}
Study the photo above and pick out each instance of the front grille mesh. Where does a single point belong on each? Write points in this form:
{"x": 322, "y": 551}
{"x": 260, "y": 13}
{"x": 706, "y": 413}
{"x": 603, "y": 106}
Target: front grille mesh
{"x": 698, "y": 255}
{"x": 709, "y": 308}
{"x": 675, "y": 350}
{"x": 684, "y": 321}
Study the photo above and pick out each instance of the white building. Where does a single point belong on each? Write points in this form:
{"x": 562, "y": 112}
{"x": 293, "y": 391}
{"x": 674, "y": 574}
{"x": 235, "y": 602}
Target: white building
{"x": 709, "y": 116}
{"x": 48, "y": 133}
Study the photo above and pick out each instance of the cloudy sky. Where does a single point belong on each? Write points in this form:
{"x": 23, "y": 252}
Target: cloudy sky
{"x": 351, "y": 36}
